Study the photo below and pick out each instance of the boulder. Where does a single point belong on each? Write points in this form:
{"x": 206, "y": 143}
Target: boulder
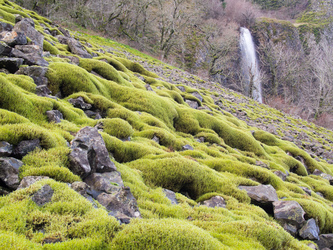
{"x": 29, "y": 180}
{"x": 192, "y": 104}
{"x": 89, "y": 154}
{"x": 5, "y": 50}
{"x": 171, "y": 196}
{"x": 43, "y": 195}
{"x": 9, "y": 169}
{"x": 35, "y": 72}
{"x": 289, "y": 212}
{"x": 310, "y": 231}
{"x": 80, "y": 103}
{"x": 325, "y": 241}
{"x": 54, "y": 116}
{"x": 25, "y": 147}
{"x": 27, "y": 26}
{"x": 11, "y": 64}
{"x": 13, "y": 38}
{"x": 77, "y": 48}
{"x": 215, "y": 201}
{"x": 121, "y": 204}
{"x": 6, "y": 149}
{"x": 30, "y": 58}
{"x": 106, "y": 182}
{"x": 323, "y": 175}
{"x": 5, "y": 26}
{"x": 261, "y": 195}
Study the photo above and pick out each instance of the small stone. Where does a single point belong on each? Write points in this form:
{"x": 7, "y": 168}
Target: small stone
{"x": 80, "y": 187}
{"x": 156, "y": 139}
{"x": 306, "y": 190}
{"x": 187, "y": 147}
{"x": 25, "y": 147}
{"x": 43, "y": 196}
{"x": 171, "y": 196}
{"x": 310, "y": 231}
{"x": 292, "y": 229}
{"x": 29, "y": 180}
{"x": 11, "y": 64}
{"x": 192, "y": 104}
{"x": 281, "y": 175}
{"x": 6, "y": 149}
{"x": 43, "y": 90}
{"x": 181, "y": 88}
{"x": 9, "y": 169}
{"x": 197, "y": 95}
{"x": 80, "y": 103}
{"x": 215, "y": 201}
{"x": 289, "y": 212}
{"x": 325, "y": 241}
{"x": 323, "y": 175}
{"x": 54, "y": 116}
{"x": 148, "y": 87}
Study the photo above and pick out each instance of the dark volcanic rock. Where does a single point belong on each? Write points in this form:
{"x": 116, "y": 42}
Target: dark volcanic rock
{"x": 310, "y": 231}
{"x": 79, "y": 103}
{"x": 31, "y": 58}
{"x": 5, "y": 50}
{"x": 89, "y": 154}
{"x": 11, "y": 64}
{"x": 289, "y": 212}
{"x": 262, "y": 194}
{"x": 54, "y": 116}
{"x": 43, "y": 90}
{"x": 5, "y": 26}
{"x": 77, "y": 48}
{"x": 323, "y": 175}
{"x": 281, "y": 175}
{"x": 6, "y": 149}
{"x": 121, "y": 205}
{"x": 35, "y": 72}
{"x": 27, "y": 26}
{"x": 25, "y": 147}
{"x": 192, "y": 104}
{"x": 43, "y": 195}
{"x": 187, "y": 147}
{"x": 325, "y": 241}
{"x": 215, "y": 201}
{"x": 80, "y": 187}
{"x": 29, "y": 180}
{"x": 171, "y": 196}
{"x": 9, "y": 169}
{"x": 197, "y": 95}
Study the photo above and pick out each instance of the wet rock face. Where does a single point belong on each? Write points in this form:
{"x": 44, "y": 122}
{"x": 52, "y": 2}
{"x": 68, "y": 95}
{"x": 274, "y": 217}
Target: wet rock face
{"x": 215, "y": 201}
{"x": 43, "y": 196}
{"x": 89, "y": 154}
{"x": 121, "y": 204}
{"x": 310, "y": 231}
{"x": 25, "y": 147}
{"x": 289, "y": 212}
{"x": 9, "y": 169}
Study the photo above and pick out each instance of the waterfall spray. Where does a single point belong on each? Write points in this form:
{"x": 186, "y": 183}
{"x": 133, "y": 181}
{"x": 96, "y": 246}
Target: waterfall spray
{"x": 250, "y": 67}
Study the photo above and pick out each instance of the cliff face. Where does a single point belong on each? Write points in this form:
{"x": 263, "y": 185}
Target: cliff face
{"x": 103, "y": 147}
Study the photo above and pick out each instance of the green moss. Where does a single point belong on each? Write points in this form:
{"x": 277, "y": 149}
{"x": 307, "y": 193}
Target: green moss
{"x": 135, "y": 67}
{"x": 164, "y": 234}
{"x": 50, "y": 48}
{"x": 117, "y": 127}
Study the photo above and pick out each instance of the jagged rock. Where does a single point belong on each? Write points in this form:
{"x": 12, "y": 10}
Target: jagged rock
{"x": 5, "y": 26}
{"x": 187, "y": 147}
{"x": 181, "y": 88}
{"x": 292, "y": 229}
{"x": 121, "y": 205}
{"x": 29, "y": 180}
{"x": 79, "y": 103}
{"x": 43, "y": 195}
{"x": 171, "y": 196}
{"x": 74, "y": 60}
{"x": 325, "y": 241}
{"x": 310, "y": 231}
{"x": 192, "y": 104}
{"x": 54, "y": 116}
{"x": 62, "y": 39}
{"x": 13, "y": 38}
{"x": 43, "y": 90}
{"x": 6, "y": 149}
{"x": 9, "y": 169}
{"x": 35, "y": 72}
{"x": 106, "y": 182}
{"x": 25, "y": 147}
{"x": 289, "y": 212}
{"x": 156, "y": 139}
{"x": 281, "y": 175}
{"x": 262, "y": 195}
{"x": 93, "y": 114}
{"x": 89, "y": 154}
{"x": 77, "y": 48}
{"x": 306, "y": 190}
{"x": 11, "y": 64}
{"x": 5, "y": 50}
{"x": 31, "y": 58}
{"x": 27, "y": 26}
{"x": 64, "y": 32}
{"x": 215, "y": 201}
{"x": 261, "y": 164}
{"x": 323, "y": 175}
{"x": 197, "y": 95}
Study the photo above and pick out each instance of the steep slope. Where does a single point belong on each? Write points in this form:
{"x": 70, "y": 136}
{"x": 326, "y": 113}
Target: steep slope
{"x": 168, "y": 133}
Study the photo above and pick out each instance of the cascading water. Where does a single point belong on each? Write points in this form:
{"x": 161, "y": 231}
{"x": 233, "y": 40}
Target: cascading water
{"x": 250, "y": 67}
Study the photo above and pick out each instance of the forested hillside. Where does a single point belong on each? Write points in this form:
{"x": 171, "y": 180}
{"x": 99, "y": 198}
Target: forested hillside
{"x": 105, "y": 147}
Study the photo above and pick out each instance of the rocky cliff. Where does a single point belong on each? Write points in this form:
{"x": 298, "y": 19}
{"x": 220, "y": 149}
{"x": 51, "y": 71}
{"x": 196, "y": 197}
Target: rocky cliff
{"x": 103, "y": 147}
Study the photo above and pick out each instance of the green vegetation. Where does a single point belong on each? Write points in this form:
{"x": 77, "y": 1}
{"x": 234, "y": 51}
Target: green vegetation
{"x": 232, "y": 154}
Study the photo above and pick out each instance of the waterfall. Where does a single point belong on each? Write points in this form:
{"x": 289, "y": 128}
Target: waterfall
{"x": 250, "y": 66}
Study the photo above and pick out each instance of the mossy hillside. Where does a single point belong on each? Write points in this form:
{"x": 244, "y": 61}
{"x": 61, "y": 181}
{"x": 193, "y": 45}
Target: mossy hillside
{"x": 217, "y": 167}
